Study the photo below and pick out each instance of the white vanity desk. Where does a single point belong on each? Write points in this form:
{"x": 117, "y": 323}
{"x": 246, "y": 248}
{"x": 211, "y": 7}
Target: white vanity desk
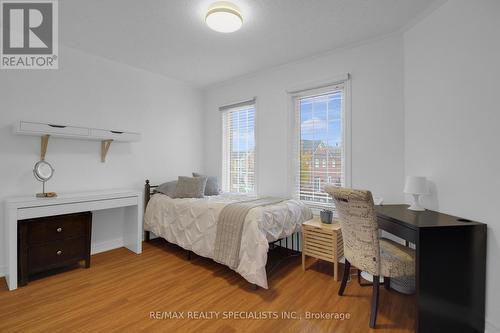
{"x": 21, "y": 208}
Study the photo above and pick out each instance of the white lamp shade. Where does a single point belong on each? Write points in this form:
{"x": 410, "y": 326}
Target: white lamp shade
{"x": 415, "y": 185}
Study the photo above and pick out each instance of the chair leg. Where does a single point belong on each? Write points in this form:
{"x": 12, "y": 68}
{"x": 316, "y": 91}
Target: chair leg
{"x": 373, "y": 316}
{"x": 387, "y": 283}
{"x": 345, "y": 277}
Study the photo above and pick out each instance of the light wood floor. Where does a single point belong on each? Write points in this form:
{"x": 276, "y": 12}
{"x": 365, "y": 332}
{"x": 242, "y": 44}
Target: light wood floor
{"x": 121, "y": 288}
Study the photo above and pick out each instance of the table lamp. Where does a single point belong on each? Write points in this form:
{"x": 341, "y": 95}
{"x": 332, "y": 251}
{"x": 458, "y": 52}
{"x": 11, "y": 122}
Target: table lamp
{"x": 415, "y": 186}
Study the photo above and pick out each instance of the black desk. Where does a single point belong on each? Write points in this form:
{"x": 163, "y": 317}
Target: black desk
{"x": 450, "y": 267}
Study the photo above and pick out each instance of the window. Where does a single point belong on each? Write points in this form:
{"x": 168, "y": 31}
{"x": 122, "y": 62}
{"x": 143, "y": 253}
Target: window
{"x": 319, "y": 135}
{"x": 317, "y": 183}
{"x": 238, "y": 158}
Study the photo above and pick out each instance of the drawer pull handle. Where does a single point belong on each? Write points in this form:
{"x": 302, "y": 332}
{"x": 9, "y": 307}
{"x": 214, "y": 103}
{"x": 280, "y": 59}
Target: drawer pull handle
{"x": 116, "y": 132}
{"x": 57, "y": 126}
{"x": 59, "y": 229}
{"x": 59, "y": 252}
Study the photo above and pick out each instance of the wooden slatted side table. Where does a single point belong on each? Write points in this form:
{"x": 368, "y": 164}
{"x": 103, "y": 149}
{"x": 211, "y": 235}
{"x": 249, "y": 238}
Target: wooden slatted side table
{"x": 322, "y": 241}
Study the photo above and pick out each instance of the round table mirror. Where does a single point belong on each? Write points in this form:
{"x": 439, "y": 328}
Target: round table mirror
{"x": 43, "y": 171}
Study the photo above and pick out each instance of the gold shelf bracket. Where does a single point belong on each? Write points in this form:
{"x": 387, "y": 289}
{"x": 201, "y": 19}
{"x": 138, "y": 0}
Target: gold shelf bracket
{"x": 44, "y": 145}
{"x": 105, "y": 144}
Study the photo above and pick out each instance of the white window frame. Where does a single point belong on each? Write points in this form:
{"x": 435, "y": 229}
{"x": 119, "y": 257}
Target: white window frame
{"x": 311, "y": 89}
{"x": 226, "y": 173}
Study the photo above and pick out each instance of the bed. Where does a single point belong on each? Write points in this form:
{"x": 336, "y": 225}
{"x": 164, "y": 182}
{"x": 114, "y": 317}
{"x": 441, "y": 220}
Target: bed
{"x": 192, "y": 224}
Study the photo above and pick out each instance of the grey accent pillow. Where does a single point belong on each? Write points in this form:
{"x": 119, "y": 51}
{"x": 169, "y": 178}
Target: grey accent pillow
{"x": 212, "y": 187}
{"x": 188, "y": 187}
{"x": 168, "y": 188}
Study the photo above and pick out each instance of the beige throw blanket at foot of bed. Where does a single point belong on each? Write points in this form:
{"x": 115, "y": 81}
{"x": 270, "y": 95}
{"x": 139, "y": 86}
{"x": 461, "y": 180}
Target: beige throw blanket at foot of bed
{"x": 230, "y": 229}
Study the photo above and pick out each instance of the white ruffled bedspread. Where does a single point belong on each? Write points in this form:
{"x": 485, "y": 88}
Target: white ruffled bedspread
{"x": 192, "y": 224}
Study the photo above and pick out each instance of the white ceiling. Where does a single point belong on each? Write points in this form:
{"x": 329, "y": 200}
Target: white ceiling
{"x": 170, "y": 37}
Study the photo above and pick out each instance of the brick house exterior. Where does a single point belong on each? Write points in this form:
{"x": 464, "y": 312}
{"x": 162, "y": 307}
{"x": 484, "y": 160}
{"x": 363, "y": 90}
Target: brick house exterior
{"x": 320, "y": 164}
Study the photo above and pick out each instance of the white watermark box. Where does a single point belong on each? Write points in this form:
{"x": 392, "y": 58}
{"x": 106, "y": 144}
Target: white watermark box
{"x": 29, "y": 36}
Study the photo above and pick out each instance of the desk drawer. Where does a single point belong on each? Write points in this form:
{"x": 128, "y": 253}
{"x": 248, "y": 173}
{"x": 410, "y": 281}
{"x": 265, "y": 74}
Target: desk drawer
{"x": 398, "y": 230}
{"x": 55, "y": 254}
{"x": 59, "y": 227}
{"x": 83, "y": 206}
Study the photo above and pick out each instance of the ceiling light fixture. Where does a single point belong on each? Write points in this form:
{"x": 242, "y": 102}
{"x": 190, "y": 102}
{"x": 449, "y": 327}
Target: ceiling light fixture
{"x": 223, "y": 16}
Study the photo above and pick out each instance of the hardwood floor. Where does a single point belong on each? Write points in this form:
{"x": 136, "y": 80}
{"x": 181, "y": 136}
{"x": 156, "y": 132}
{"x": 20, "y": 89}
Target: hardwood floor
{"x": 121, "y": 289}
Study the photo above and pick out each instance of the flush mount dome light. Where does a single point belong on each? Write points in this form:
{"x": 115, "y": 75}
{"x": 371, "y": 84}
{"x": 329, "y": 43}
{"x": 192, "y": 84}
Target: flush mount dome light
{"x": 223, "y": 16}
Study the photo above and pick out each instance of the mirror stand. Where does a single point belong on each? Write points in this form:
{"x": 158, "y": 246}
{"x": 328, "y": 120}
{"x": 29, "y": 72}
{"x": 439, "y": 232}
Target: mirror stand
{"x": 43, "y": 194}
{"x": 43, "y": 171}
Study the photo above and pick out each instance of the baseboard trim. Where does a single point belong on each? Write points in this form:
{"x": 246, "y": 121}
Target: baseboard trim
{"x": 3, "y": 271}
{"x": 491, "y": 328}
{"x": 106, "y": 246}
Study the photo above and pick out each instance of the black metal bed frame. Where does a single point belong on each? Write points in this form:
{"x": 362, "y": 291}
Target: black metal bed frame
{"x": 291, "y": 252}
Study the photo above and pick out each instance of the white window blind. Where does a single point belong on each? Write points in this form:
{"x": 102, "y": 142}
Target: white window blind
{"x": 319, "y": 147}
{"x": 238, "y": 155}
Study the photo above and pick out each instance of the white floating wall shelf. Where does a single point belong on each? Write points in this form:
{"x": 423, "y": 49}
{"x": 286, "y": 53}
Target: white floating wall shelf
{"x": 46, "y": 130}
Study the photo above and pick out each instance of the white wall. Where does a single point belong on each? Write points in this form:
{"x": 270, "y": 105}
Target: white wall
{"x": 452, "y": 117}
{"x": 95, "y": 92}
{"x": 377, "y": 115}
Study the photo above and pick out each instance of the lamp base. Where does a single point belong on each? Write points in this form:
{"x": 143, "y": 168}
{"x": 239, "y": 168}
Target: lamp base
{"x": 416, "y": 205}
{"x": 417, "y": 208}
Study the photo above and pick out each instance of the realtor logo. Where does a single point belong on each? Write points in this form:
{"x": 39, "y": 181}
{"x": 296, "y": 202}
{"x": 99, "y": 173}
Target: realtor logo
{"x": 29, "y": 37}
